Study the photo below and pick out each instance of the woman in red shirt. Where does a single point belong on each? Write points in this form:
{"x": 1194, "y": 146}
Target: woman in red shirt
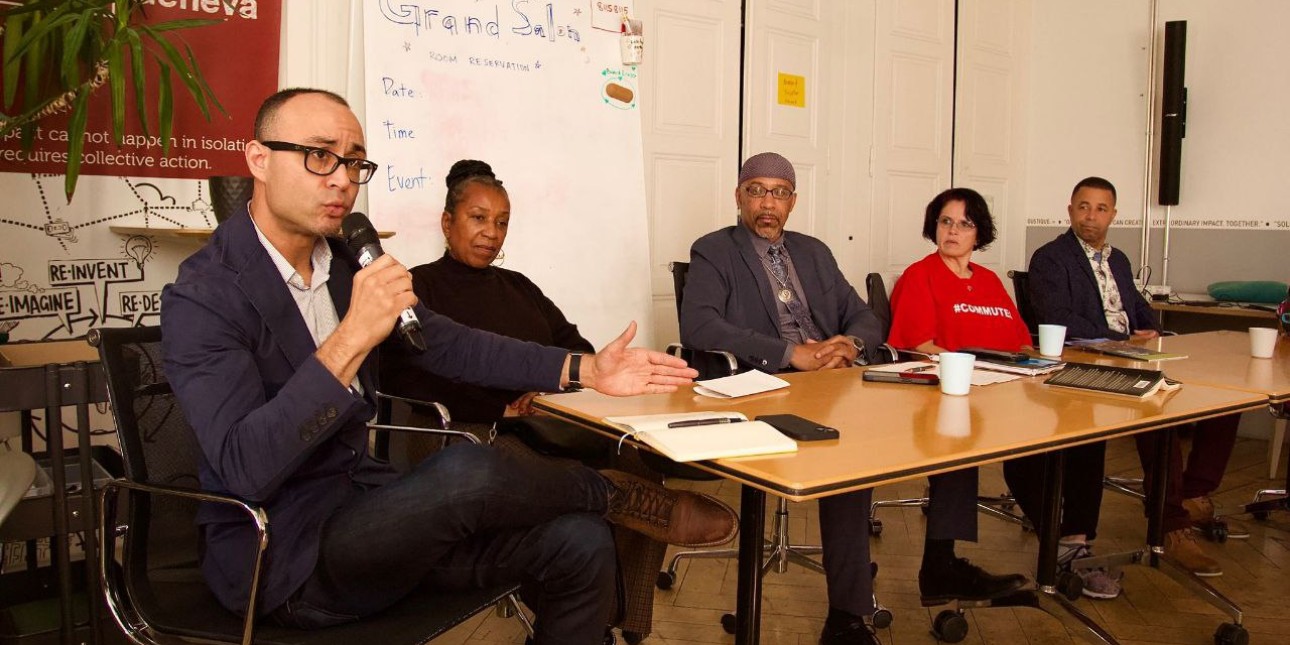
{"x": 945, "y": 302}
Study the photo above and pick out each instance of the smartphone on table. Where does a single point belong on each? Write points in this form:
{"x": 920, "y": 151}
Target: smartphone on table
{"x": 798, "y": 428}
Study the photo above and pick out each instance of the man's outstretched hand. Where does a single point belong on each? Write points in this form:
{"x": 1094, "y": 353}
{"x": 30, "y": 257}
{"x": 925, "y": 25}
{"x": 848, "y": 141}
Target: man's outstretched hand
{"x": 620, "y": 370}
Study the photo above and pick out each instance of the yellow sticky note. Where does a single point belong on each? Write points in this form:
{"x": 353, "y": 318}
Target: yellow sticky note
{"x": 792, "y": 90}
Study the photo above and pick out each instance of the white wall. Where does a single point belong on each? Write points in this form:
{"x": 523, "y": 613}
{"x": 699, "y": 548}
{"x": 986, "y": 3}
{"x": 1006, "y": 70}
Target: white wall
{"x": 1088, "y": 116}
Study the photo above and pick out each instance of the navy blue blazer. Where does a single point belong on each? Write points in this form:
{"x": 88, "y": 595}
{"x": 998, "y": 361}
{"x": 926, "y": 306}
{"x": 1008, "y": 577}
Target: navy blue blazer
{"x": 729, "y": 303}
{"x": 274, "y": 426}
{"x": 1063, "y": 290}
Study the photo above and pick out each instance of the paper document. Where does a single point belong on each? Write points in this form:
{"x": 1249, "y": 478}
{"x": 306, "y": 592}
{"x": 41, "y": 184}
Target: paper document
{"x": 979, "y": 377}
{"x": 750, "y": 382}
{"x": 728, "y": 434}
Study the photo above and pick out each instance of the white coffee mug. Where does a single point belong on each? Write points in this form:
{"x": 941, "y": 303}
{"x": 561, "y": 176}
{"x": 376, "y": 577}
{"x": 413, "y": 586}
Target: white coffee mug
{"x": 955, "y": 371}
{"x": 1051, "y": 339}
{"x": 1263, "y": 342}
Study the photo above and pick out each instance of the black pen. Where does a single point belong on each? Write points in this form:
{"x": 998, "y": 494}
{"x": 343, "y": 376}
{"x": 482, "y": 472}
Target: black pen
{"x": 688, "y": 423}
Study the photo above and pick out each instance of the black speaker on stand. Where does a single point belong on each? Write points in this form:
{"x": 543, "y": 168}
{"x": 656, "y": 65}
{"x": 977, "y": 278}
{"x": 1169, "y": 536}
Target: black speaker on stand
{"x": 1173, "y": 108}
{"x": 1173, "y": 127}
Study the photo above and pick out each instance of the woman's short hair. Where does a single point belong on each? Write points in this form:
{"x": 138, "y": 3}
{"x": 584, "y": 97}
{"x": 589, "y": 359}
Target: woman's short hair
{"x": 974, "y": 207}
{"x": 465, "y": 172}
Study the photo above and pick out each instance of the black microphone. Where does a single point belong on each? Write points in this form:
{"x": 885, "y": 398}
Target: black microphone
{"x": 363, "y": 242}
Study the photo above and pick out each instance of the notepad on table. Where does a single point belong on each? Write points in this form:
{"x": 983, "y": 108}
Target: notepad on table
{"x": 729, "y": 434}
{"x": 743, "y": 384}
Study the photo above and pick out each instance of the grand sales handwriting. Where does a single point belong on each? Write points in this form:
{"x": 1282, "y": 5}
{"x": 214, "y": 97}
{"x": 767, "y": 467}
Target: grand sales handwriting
{"x": 521, "y": 17}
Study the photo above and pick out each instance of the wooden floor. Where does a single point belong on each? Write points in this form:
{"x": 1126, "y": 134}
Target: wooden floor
{"x": 1153, "y": 608}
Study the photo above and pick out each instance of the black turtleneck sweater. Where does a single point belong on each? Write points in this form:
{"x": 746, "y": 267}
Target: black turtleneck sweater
{"x": 492, "y": 299}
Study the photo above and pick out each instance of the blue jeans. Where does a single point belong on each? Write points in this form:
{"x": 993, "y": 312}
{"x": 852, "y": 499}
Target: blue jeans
{"x": 470, "y": 516}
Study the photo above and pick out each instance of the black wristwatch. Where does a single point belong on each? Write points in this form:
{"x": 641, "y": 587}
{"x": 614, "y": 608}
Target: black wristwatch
{"x": 575, "y": 372}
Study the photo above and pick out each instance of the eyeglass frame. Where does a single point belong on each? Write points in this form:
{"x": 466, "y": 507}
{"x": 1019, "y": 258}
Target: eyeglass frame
{"x": 964, "y": 225}
{"x": 287, "y": 146}
{"x": 748, "y": 190}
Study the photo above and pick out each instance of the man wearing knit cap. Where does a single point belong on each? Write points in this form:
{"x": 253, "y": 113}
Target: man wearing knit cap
{"x": 777, "y": 300}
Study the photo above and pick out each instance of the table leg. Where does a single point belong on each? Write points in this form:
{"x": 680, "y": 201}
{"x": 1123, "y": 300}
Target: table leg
{"x": 1050, "y": 523}
{"x": 1050, "y": 597}
{"x": 752, "y": 526}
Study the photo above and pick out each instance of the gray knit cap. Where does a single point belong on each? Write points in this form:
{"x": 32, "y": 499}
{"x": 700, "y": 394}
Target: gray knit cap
{"x": 768, "y": 164}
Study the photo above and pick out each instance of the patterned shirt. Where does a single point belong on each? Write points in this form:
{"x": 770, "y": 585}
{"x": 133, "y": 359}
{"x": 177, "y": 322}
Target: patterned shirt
{"x": 1100, "y": 261}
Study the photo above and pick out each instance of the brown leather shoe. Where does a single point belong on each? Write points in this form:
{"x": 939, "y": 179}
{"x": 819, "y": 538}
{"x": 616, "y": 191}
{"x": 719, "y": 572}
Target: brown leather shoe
{"x": 1204, "y": 518}
{"x": 1182, "y": 549}
{"x": 679, "y": 517}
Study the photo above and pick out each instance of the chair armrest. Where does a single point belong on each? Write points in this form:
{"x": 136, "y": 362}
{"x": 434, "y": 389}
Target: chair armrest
{"x": 446, "y": 433}
{"x": 116, "y": 591}
{"x": 719, "y": 360}
{"x": 886, "y": 354}
{"x": 445, "y": 419}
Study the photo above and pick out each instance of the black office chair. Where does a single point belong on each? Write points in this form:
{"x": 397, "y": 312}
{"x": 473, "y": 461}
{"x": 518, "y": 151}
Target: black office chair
{"x": 156, "y": 592}
{"x": 876, "y": 293}
{"x": 999, "y": 506}
{"x": 778, "y": 550}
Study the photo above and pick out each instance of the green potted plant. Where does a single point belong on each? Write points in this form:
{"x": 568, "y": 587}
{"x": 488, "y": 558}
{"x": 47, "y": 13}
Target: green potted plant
{"x": 57, "y": 53}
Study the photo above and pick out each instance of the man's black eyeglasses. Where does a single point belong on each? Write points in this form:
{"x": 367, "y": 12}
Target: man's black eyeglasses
{"x": 324, "y": 162}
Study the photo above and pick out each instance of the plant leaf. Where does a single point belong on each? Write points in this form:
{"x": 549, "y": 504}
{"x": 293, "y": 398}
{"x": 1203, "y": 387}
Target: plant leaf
{"x": 181, "y": 67}
{"x": 76, "y": 141}
{"x": 73, "y": 46}
{"x": 14, "y": 26}
{"x": 137, "y": 71}
{"x": 165, "y": 106}
{"x": 187, "y": 23}
{"x": 201, "y": 78}
{"x": 116, "y": 83}
{"x": 42, "y": 28}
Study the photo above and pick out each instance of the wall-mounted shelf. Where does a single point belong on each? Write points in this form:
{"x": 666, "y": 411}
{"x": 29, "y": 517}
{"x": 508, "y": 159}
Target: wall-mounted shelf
{"x": 199, "y": 234}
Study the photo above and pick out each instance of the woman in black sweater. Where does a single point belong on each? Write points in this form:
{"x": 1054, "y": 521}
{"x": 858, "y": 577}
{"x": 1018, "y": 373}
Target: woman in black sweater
{"x": 465, "y": 286}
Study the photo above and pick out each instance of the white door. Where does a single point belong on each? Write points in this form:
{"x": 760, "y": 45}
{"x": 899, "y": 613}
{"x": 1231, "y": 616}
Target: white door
{"x": 913, "y": 113}
{"x": 689, "y": 84}
{"x": 989, "y": 122}
{"x": 800, "y": 72}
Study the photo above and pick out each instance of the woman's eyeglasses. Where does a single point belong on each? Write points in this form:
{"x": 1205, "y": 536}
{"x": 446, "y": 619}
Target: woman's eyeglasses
{"x": 324, "y": 162}
{"x": 962, "y": 225}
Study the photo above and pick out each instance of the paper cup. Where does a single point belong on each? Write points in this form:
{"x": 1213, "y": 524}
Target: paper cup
{"x": 1051, "y": 338}
{"x": 955, "y": 371}
{"x": 1263, "y": 342}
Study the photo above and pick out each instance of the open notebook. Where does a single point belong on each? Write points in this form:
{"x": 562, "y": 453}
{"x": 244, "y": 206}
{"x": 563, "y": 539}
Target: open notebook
{"x": 690, "y": 439}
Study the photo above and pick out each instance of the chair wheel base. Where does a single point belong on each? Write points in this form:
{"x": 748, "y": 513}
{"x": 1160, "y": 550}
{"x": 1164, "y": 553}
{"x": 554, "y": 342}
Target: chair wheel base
{"x": 1231, "y": 634}
{"x": 665, "y": 580}
{"x": 728, "y": 623}
{"x": 950, "y": 626}
{"x": 882, "y": 618}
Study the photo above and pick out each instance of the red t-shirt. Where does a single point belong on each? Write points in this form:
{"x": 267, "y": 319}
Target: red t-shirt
{"x": 929, "y": 302}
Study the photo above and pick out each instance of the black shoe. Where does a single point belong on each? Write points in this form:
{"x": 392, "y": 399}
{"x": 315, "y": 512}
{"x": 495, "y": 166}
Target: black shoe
{"x": 964, "y": 581}
{"x": 846, "y": 629}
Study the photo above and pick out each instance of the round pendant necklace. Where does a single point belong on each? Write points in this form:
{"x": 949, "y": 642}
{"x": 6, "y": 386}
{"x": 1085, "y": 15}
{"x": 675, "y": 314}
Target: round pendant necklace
{"x": 785, "y": 295}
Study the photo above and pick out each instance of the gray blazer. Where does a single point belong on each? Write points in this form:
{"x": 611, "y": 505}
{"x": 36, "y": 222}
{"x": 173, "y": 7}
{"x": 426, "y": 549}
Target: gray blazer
{"x": 729, "y": 304}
